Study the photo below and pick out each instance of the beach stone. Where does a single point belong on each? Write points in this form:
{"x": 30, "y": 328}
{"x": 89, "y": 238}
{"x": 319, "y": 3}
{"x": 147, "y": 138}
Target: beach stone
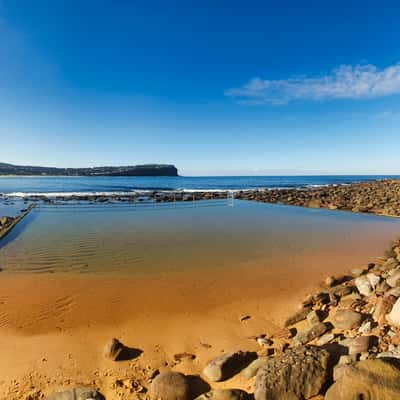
{"x": 345, "y": 359}
{"x": 341, "y": 290}
{"x": 369, "y": 380}
{"x": 393, "y": 352}
{"x": 394, "y": 316}
{"x": 283, "y": 333}
{"x": 383, "y": 306}
{"x": 79, "y": 393}
{"x": 357, "y": 272}
{"x": 365, "y": 328}
{"x": 262, "y": 341}
{"x": 393, "y": 292}
{"x": 373, "y": 280}
{"x": 298, "y": 316}
{"x": 324, "y": 339}
{"x": 170, "y": 386}
{"x": 393, "y": 280}
{"x": 224, "y": 394}
{"x": 313, "y": 318}
{"x": 347, "y": 319}
{"x": 113, "y": 349}
{"x": 299, "y": 373}
{"x": 305, "y": 336}
{"x": 227, "y": 365}
{"x": 390, "y": 263}
{"x": 254, "y": 366}
{"x": 330, "y": 281}
{"x": 363, "y": 285}
{"x": 359, "y": 344}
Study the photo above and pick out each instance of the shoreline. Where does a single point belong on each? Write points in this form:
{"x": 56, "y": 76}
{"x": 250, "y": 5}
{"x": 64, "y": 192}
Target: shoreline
{"x": 380, "y": 197}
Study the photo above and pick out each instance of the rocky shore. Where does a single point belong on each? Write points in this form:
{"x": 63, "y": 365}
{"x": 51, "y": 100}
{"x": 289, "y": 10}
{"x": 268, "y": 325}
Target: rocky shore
{"x": 376, "y": 197}
{"x": 380, "y": 197}
{"x": 342, "y": 343}
{"x": 7, "y": 223}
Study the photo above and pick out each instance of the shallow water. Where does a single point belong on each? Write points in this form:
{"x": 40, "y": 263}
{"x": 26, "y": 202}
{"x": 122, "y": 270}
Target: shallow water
{"x": 202, "y": 235}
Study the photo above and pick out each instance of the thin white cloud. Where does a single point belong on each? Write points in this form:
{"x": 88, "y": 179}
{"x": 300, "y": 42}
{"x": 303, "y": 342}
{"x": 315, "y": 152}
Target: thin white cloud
{"x": 344, "y": 82}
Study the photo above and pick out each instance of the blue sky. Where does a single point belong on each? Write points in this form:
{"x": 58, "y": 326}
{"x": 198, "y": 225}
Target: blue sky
{"x": 215, "y": 87}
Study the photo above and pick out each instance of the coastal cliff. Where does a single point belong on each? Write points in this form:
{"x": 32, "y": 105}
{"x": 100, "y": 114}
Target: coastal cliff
{"x": 135, "y": 170}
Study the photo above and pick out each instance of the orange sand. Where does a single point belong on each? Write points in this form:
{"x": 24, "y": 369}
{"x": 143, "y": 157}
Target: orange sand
{"x": 53, "y": 327}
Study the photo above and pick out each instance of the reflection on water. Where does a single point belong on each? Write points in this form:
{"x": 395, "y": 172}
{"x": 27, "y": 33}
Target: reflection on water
{"x": 155, "y": 239}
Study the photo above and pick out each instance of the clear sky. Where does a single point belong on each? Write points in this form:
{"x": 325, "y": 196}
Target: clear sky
{"x": 215, "y": 87}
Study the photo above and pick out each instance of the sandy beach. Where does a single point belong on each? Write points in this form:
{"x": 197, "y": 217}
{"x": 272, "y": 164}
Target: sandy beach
{"x": 54, "y": 327}
{"x": 177, "y": 286}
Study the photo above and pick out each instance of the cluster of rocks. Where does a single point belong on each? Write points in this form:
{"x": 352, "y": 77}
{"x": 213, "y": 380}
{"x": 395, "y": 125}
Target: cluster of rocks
{"x": 134, "y": 197}
{"x": 378, "y": 197}
{"x": 343, "y": 343}
{"x": 7, "y": 223}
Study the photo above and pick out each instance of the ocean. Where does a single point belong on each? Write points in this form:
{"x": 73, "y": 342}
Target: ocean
{"x": 22, "y": 186}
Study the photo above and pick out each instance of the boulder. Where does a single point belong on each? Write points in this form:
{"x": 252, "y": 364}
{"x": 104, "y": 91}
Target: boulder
{"x": 341, "y": 290}
{"x": 79, "y": 393}
{"x": 363, "y": 285}
{"x": 394, "y": 316}
{"x": 369, "y": 380}
{"x": 357, "y": 272}
{"x": 299, "y": 373}
{"x": 224, "y": 394}
{"x": 324, "y": 339}
{"x": 390, "y": 263}
{"x": 347, "y": 319}
{"x": 227, "y": 365}
{"x": 253, "y": 367}
{"x": 360, "y": 344}
{"x": 373, "y": 280}
{"x": 313, "y": 318}
{"x": 298, "y": 316}
{"x": 383, "y": 306}
{"x": 365, "y": 328}
{"x": 393, "y": 292}
{"x": 305, "y": 336}
{"x": 170, "y": 386}
{"x": 393, "y": 280}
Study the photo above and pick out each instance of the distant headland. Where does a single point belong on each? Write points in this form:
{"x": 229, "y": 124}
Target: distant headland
{"x": 130, "y": 170}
